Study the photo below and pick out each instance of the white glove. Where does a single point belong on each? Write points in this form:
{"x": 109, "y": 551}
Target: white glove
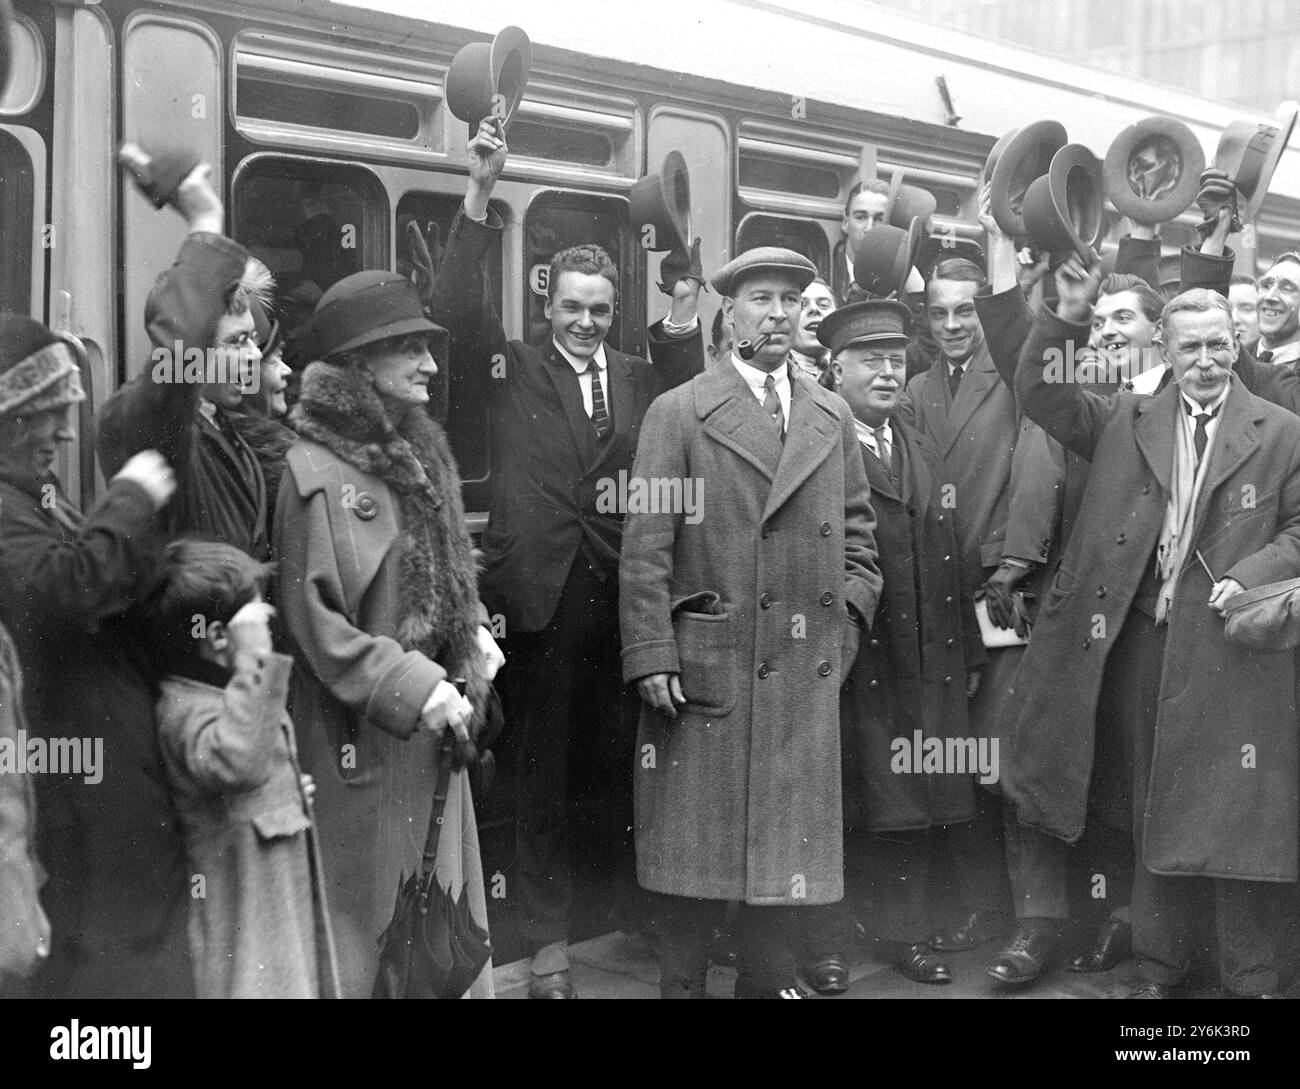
{"x": 150, "y": 470}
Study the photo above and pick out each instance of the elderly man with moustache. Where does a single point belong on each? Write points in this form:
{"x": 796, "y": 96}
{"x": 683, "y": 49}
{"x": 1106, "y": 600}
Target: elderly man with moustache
{"x": 1194, "y": 495}
{"x": 738, "y": 627}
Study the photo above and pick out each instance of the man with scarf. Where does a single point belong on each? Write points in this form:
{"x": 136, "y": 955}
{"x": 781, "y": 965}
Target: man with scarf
{"x": 1194, "y": 495}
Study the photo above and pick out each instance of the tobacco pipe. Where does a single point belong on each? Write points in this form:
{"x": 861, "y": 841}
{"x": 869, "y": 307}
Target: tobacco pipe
{"x": 747, "y": 349}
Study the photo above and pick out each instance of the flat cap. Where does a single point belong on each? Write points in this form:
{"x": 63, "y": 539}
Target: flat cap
{"x": 764, "y": 259}
{"x": 875, "y": 321}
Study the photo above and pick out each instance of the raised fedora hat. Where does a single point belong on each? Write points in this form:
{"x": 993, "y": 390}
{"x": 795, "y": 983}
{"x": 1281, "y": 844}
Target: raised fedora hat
{"x": 1063, "y": 208}
{"x": 1027, "y": 155}
{"x": 663, "y": 201}
{"x": 1249, "y": 151}
{"x": 885, "y": 257}
{"x": 1152, "y": 170}
{"x": 995, "y": 154}
{"x": 481, "y": 71}
{"x": 873, "y": 321}
{"x": 912, "y": 202}
{"x": 761, "y": 260}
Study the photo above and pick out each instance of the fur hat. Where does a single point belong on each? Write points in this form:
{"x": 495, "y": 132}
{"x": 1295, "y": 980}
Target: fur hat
{"x": 38, "y": 371}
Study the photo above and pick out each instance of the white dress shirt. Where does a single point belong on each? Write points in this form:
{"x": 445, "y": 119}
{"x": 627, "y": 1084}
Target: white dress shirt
{"x": 867, "y": 436}
{"x": 1211, "y": 426}
{"x": 755, "y": 377}
{"x": 584, "y": 379}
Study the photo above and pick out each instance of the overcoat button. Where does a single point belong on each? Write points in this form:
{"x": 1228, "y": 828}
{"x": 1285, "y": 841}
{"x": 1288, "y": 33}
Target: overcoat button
{"x": 947, "y": 680}
{"x": 364, "y": 506}
{"x": 946, "y": 559}
{"x": 826, "y": 529}
{"x": 913, "y": 512}
{"x": 1101, "y": 591}
{"x": 827, "y": 597}
{"x": 949, "y": 642}
{"x": 874, "y": 643}
{"x": 940, "y": 518}
{"x": 1146, "y": 488}
{"x": 765, "y": 532}
{"x": 1087, "y": 641}
{"x": 1121, "y": 538}
{"x": 763, "y": 670}
{"x": 873, "y": 684}
{"x": 824, "y": 669}
{"x": 947, "y": 601}
{"x": 765, "y": 601}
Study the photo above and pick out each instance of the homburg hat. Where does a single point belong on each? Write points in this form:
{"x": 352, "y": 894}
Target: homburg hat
{"x": 1062, "y": 209}
{"x": 1026, "y": 155}
{"x": 1153, "y": 170}
{"x": 365, "y": 308}
{"x": 482, "y": 70}
{"x": 912, "y": 202}
{"x": 1249, "y": 152}
{"x": 874, "y": 321}
{"x": 663, "y": 201}
{"x": 885, "y": 257}
{"x": 762, "y": 260}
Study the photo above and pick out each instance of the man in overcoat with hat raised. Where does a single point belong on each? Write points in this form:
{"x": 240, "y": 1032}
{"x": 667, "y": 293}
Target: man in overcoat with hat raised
{"x": 739, "y": 623}
{"x": 909, "y": 685}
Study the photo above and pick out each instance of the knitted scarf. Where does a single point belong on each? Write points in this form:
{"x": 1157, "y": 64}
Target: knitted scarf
{"x": 438, "y": 597}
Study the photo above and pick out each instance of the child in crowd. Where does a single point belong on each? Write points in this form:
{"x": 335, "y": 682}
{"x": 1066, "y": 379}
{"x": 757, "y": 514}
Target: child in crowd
{"x": 258, "y": 925}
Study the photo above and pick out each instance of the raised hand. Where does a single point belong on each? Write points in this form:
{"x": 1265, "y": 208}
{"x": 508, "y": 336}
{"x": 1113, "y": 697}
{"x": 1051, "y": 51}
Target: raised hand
{"x": 149, "y": 469}
{"x": 1077, "y": 286}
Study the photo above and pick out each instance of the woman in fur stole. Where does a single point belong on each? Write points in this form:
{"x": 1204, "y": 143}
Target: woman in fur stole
{"x": 377, "y": 591}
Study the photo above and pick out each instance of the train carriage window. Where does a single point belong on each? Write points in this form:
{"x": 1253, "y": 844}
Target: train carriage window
{"x": 786, "y": 176}
{"x": 460, "y": 391}
{"x": 312, "y": 224}
{"x": 16, "y": 211}
{"x": 801, "y": 235}
{"x": 555, "y": 221}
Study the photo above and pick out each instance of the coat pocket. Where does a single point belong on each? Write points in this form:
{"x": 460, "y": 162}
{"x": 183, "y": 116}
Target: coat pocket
{"x": 285, "y": 820}
{"x": 705, "y": 651}
{"x": 1062, "y": 587}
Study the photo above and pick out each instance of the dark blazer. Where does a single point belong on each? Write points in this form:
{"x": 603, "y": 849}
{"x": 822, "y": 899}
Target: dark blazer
{"x": 910, "y": 673}
{"x": 1207, "y": 812}
{"x": 548, "y": 465}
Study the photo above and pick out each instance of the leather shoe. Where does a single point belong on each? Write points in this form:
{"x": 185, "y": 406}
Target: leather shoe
{"x": 827, "y": 975}
{"x": 1112, "y": 945}
{"x": 1146, "y": 989}
{"x": 972, "y": 931}
{"x": 1023, "y": 959}
{"x": 554, "y": 985}
{"x": 917, "y": 962}
{"x": 746, "y": 990}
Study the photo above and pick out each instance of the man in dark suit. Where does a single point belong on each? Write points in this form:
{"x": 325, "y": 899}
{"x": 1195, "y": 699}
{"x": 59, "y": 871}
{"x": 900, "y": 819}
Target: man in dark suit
{"x": 1194, "y": 495}
{"x": 566, "y": 416}
{"x": 912, "y": 675}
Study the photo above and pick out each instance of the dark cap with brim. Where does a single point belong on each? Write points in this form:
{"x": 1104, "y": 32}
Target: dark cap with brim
{"x": 365, "y": 308}
{"x": 762, "y": 261}
{"x": 876, "y": 321}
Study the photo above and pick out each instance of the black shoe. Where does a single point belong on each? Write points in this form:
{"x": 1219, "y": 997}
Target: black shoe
{"x": 747, "y": 990}
{"x": 1112, "y": 945}
{"x": 972, "y": 931}
{"x": 1146, "y": 989}
{"x": 1030, "y": 950}
{"x": 554, "y": 985}
{"x": 827, "y": 975}
{"x": 917, "y": 962}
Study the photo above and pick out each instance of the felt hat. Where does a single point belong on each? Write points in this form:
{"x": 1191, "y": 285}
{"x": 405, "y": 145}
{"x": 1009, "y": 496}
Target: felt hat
{"x": 1249, "y": 152}
{"x": 1062, "y": 209}
{"x": 1266, "y": 618}
{"x": 885, "y": 257}
{"x": 762, "y": 260}
{"x": 365, "y": 308}
{"x": 995, "y": 154}
{"x": 912, "y": 202}
{"x": 1026, "y": 156}
{"x": 663, "y": 201}
{"x": 38, "y": 370}
{"x": 1153, "y": 170}
{"x": 874, "y": 321}
{"x": 482, "y": 70}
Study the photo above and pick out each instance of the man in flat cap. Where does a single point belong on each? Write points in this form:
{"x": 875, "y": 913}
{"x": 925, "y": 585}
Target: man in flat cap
{"x": 739, "y": 622}
{"x": 912, "y": 674}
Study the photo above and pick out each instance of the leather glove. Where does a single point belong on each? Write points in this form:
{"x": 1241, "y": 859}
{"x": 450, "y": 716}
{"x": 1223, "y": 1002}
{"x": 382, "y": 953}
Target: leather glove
{"x": 1005, "y": 609}
{"x": 160, "y": 174}
{"x": 1217, "y": 191}
{"x": 680, "y": 265}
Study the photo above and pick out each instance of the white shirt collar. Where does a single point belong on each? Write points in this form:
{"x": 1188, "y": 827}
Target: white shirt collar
{"x": 756, "y": 377}
{"x": 208, "y": 408}
{"x": 1192, "y": 408}
{"x": 580, "y": 365}
{"x": 867, "y": 435}
{"x": 1288, "y": 353}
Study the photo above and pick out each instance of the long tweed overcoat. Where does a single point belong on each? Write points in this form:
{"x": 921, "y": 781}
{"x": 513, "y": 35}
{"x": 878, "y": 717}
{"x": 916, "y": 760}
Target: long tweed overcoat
{"x": 1221, "y": 797}
{"x": 739, "y": 797}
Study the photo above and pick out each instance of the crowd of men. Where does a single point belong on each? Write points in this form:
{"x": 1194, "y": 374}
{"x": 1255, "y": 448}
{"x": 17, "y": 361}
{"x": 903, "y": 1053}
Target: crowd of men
{"x": 941, "y": 657}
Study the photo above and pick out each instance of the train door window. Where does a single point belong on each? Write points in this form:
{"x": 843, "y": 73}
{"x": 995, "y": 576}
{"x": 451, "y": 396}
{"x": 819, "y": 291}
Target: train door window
{"x": 555, "y": 221}
{"x": 17, "y": 212}
{"x": 460, "y": 390}
{"x": 311, "y": 224}
{"x": 804, "y": 236}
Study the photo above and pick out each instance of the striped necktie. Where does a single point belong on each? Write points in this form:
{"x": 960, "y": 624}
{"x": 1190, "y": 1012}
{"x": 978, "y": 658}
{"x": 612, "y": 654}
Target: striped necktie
{"x": 599, "y": 411}
{"x": 772, "y": 404}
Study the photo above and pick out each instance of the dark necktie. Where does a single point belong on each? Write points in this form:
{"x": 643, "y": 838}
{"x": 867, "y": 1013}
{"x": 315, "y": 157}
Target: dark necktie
{"x": 772, "y": 404}
{"x": 1265, "y": 356}
{"x": 954, "y": 380}
{"x": 1201, "y": 437}
{"x": 882, "y": 447}
{"x": 599, "y": 413}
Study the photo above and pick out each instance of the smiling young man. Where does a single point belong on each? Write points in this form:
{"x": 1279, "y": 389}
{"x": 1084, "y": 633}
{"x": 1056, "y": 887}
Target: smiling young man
{"x": 808, "y": 353}
{"x": 863, "y": 210}
{"x": 1124, "y": 322}
{"x": 566, "y": 414}
{"x": 1278, "y": 310}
